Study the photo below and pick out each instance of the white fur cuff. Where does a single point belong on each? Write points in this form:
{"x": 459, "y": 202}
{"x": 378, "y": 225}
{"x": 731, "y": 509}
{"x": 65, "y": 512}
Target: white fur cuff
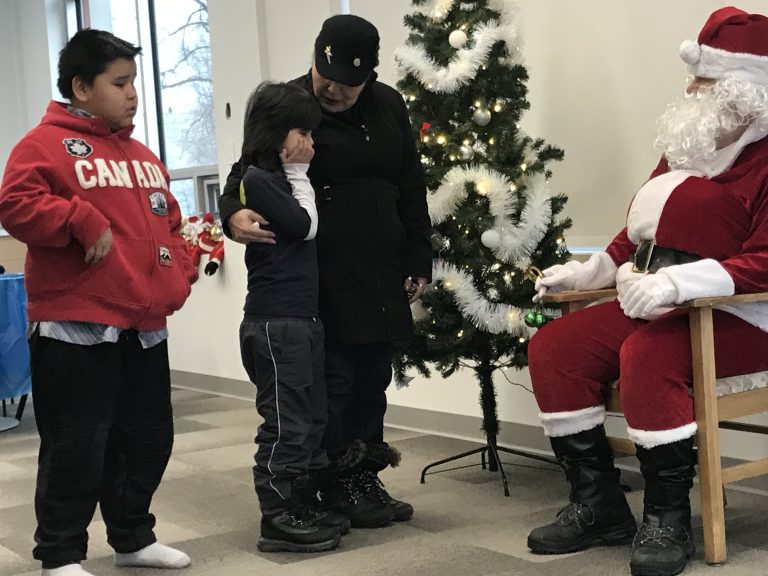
{"x": 597, "y": 272}
{"x": 558, "y": 424}
{"x": 701, "y": 279}
{"x": 652, "y": 438}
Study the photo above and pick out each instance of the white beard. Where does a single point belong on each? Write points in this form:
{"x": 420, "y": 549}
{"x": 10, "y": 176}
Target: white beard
{"x": 689, "y": 130}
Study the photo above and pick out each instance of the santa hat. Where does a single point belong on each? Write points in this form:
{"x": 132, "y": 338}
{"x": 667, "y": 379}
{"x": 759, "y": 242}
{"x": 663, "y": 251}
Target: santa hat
{"x": 731, "y": 43}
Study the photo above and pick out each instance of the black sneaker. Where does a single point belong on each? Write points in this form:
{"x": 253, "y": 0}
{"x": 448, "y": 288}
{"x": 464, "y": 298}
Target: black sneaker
{"x": 345, "y": 496}
{"x": 288, "y": 531}
{"x": 374, "y": 487}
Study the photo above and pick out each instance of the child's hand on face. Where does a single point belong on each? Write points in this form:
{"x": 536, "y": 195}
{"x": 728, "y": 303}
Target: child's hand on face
{"x": 302, "y": 153}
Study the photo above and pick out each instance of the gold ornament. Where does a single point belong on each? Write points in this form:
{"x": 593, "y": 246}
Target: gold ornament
{"x": 532, "y": 273}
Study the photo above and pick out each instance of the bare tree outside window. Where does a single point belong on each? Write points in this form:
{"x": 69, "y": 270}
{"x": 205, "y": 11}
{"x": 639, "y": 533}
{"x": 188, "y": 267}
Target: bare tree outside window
{"x": 184, "y": 56}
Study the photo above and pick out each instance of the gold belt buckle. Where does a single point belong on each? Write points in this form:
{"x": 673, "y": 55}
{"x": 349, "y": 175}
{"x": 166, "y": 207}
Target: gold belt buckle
{"x": 651, "y": 245}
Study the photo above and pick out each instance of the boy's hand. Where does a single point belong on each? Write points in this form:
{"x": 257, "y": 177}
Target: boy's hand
{"x": 103, "y": 245}
{"x": 301, "y": 154}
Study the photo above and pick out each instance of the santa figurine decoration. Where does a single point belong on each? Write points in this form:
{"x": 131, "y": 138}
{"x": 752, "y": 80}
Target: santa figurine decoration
{"x": 191, "y": 226}
{"x": 204, "y": 236}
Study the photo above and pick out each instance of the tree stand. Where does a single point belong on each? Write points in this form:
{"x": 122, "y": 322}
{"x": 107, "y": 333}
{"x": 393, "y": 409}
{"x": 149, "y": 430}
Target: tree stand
{"x": 484, "y": 374}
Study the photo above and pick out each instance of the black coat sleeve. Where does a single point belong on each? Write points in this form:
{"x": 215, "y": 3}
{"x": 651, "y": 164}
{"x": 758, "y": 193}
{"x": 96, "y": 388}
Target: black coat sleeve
{"x": 229, "y": 200}
{"x": 412, "y": 205}
{"x": 263, "y": 194}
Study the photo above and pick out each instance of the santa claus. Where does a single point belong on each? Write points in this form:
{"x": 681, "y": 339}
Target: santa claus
{"x": 697, "y": 228}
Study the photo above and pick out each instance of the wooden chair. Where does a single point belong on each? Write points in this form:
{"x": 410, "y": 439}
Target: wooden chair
{"x": 711, "y": 412}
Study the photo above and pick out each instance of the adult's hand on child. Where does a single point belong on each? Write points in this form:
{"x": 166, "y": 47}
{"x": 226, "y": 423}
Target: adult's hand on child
{"x": 301, "y": 154}
{"x": 100, "y": 249}
{"x": 245, "y": 227}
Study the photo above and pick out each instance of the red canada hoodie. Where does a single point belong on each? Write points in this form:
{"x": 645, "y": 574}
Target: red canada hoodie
{"x": 65, "y": 182}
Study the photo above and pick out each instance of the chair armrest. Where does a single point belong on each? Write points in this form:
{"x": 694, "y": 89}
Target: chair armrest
{"x": 585, "y": 296}
{"x": 573, "y": 300}
{"x": 717, "y": 300}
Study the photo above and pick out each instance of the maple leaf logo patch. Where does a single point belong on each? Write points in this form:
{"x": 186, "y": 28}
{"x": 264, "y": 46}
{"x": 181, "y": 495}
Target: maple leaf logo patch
{"x": 78, "y": 147}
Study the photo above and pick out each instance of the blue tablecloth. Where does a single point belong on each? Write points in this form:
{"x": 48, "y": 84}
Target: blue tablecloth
{"x": 15, "y": 378}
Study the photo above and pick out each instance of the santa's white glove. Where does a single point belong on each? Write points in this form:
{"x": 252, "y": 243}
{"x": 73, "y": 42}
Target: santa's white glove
{"x": 650, "y": 292}
{"x": 557, "y": 278}
{"x": 597, "y": 272}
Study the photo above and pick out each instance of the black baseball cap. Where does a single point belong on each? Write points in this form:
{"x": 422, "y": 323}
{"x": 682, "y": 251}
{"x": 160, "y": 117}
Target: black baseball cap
{"x": 347, "y": 49}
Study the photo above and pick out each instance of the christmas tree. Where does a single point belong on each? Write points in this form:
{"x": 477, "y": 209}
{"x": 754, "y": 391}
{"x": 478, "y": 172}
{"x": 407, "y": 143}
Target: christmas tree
{"x": 493, "y": 214}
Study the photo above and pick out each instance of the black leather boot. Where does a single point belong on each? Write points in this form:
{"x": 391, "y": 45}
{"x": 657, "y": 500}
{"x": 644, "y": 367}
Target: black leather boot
{"x": 292, "y": 529}
{"x": 664, "y": 542}
{"x": 598, "y": 512}
{"x": 305, "y": 487}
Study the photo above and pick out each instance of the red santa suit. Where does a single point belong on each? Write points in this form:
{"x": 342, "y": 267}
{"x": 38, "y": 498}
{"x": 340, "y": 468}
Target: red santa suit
{"x": 717, "y": 219}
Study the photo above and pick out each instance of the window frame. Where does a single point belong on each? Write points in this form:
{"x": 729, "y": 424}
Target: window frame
{"x": 203, "y": 176}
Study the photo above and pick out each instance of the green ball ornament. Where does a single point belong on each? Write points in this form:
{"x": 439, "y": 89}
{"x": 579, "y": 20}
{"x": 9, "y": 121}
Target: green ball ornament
{"x": 530, "y": 319}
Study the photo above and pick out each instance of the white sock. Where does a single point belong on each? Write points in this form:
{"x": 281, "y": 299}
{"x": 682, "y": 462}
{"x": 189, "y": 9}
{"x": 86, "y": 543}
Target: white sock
{"x": 68, "y": 570}
{"x": 153, "y": 556}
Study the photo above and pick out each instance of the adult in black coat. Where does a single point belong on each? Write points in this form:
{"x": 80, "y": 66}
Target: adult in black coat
{"x": 374, "y": 254}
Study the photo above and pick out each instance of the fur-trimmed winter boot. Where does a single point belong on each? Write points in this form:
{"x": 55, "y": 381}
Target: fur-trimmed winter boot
{"x": 598, "y": 512}
{"x": 377, "y": 457}
{"x": 342, "y": 491}
{"x": 664, "y": 542}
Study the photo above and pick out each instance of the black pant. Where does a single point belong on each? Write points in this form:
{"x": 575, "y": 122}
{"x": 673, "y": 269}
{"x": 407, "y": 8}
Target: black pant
{"x": 104, "y": 417}
{"x": 357, "y": 377}
{"x": 284, "y": 359}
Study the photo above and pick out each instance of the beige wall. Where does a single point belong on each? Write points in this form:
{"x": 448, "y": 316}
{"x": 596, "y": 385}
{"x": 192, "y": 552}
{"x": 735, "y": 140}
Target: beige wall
{"x": 12, "y": 254}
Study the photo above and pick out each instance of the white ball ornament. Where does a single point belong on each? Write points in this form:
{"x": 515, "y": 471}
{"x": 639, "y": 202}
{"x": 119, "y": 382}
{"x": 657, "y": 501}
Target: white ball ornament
{"x": 466, "y": 153}
{"x": 457, "y": 38}
{"x": 481, "y": 116}
{"x": 491, "y": 239}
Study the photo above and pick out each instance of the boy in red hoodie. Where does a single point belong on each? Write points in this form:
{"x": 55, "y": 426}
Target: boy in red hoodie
{"x": 105, "y": 266}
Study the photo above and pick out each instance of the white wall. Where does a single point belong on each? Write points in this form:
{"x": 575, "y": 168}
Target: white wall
{"x": 25, "y": 67}
{"x": 601, "y": 73}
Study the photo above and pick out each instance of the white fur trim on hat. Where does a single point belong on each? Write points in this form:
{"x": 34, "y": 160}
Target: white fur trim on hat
{"x": 652, "y": 438}
{"x": 557, "y": 424}
{"x": 707, "y": 62}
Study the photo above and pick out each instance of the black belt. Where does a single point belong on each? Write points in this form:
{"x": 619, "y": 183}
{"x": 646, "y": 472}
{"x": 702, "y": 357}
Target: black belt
{"x": 649, "y": 257}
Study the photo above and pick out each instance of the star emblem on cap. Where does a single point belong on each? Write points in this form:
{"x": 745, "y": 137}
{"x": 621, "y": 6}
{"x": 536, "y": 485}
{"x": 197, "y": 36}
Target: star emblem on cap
{"x": 328, "y": 53}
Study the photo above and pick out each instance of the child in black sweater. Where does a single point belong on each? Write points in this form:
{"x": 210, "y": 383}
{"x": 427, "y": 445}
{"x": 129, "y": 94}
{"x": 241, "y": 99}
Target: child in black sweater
{"x": 281, "y": 336}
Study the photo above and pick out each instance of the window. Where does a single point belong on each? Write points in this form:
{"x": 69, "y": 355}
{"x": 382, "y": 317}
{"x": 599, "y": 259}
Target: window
{"x": 175, "y": 117}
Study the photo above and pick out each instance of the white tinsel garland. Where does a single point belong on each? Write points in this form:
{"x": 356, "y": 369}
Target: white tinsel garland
{"x": 435, "y": 9}
{"x": 467, "y": 61}
{"x": 517, "y": 240}
{"x": 491, "y": 317}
